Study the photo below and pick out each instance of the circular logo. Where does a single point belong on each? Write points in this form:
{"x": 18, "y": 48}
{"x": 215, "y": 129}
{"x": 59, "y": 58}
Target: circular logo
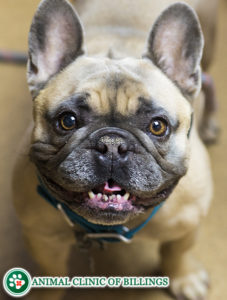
{"x": 17, "y": 282}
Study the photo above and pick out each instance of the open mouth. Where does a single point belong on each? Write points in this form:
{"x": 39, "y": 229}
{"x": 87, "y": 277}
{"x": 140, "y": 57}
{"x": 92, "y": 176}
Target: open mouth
{"x": 108, "y": 197}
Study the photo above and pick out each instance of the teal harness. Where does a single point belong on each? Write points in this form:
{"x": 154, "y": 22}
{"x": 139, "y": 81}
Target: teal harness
{"x": 113, "y": 233}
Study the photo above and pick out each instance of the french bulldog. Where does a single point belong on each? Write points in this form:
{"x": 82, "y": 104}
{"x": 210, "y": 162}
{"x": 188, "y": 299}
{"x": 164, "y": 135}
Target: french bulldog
{"x": 115, "y": 131}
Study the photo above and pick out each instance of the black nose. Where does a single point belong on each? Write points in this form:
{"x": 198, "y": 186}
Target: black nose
{"x": 113, "y": 146}
{"x": 110, "y": 145}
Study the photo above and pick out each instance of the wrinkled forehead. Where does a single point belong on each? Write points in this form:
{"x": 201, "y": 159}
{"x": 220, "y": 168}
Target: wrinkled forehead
{"x": 117, "y": 85}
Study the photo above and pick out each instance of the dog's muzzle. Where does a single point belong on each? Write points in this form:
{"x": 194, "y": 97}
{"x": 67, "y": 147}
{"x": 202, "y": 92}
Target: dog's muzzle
{"x": 112, "y": 144}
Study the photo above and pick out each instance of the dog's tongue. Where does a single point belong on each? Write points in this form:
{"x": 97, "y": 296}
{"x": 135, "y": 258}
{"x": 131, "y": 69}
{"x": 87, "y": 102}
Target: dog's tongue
{"x": 113, "y": 188}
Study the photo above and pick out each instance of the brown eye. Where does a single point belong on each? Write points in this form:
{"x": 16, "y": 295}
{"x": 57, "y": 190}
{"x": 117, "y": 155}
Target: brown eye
{"x": 158, "y": 127}
{"x": 68, "y": 121}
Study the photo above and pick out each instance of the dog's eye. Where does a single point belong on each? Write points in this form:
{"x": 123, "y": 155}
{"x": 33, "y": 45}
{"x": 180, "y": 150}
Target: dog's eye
{"x": 68, "y": 121}
{"x": 158, "y": 127}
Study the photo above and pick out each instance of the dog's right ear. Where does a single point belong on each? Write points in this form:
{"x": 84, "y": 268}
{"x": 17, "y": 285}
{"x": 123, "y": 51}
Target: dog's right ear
{"x": 55, "y": 40}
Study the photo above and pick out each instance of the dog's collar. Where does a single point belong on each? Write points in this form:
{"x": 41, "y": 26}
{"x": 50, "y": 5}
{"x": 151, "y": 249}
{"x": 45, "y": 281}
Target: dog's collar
{"x": 112, "y": 233}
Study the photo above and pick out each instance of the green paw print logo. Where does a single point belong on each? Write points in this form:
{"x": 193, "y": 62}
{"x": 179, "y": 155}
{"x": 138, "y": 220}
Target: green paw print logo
{"x": 17, "y": 282}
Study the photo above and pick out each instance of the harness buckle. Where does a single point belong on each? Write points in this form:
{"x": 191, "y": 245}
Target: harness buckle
{"x": 86, "y": 240}
{"x": 107, "y": 235}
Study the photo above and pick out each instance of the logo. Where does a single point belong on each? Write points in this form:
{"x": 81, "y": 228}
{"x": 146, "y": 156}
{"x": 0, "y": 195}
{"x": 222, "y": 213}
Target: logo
{"x": 17, "y": 282}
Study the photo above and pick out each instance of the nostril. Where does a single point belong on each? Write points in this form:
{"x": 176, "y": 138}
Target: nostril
{"x": 122, "y": 148}
{"x": 102, "y": 148}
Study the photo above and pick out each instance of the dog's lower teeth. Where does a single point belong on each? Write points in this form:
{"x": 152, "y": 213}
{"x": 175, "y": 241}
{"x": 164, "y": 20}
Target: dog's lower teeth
{"x": 126, "y": 196}
{"x": 105, "y": 198}
{"x": 99, "y": 196}
{"x": 113, "y": 198}
{"x": 91, "y": 195}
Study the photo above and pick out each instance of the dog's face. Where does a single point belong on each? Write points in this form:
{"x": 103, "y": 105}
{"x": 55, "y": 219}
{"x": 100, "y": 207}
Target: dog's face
{"x": 111, "y": 137}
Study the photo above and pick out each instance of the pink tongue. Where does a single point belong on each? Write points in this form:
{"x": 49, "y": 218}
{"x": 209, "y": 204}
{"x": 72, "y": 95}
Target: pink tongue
{"x": 114, "y": 188}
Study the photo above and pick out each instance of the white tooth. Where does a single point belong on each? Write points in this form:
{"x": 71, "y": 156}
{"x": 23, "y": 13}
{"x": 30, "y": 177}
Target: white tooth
{"x": 111, "y": 197}
{"x": 99, "y": 196}
{"x": 126, "y": 196}
{"x": 118, "y": 197}
{"x": 91, "y": 195}
{"x": 105, "y": 198}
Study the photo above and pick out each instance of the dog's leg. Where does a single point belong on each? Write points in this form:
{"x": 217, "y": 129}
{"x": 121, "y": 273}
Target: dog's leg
{"x": 209, "y": 127}
{"x": 188, "y": 280}
{"x": 51, "y": 252}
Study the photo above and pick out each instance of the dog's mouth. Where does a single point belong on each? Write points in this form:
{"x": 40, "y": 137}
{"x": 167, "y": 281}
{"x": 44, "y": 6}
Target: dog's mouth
{"x": 108, "y": 197}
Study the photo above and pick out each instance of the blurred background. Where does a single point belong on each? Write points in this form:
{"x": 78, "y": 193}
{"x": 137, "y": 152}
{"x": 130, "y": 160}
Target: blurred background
{"x": 15, "y": 115}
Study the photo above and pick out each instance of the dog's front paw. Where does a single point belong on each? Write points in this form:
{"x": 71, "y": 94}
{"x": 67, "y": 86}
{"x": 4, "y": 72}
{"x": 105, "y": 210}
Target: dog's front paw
{"x": 192, "y": 286}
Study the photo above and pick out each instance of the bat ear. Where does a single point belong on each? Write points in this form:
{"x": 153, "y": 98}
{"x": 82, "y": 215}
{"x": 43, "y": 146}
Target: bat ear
{"x": 55, "y": 40}
{"x": 175, "y": 45}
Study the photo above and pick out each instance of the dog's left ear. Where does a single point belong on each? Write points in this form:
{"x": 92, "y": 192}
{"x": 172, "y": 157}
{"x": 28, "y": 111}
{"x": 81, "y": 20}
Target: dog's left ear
{"x": 55, "y": 40}
{"x": 175, "y": 45}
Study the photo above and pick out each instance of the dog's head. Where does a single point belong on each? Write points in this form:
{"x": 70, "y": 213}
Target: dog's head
{"x": 111, "y": 137}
